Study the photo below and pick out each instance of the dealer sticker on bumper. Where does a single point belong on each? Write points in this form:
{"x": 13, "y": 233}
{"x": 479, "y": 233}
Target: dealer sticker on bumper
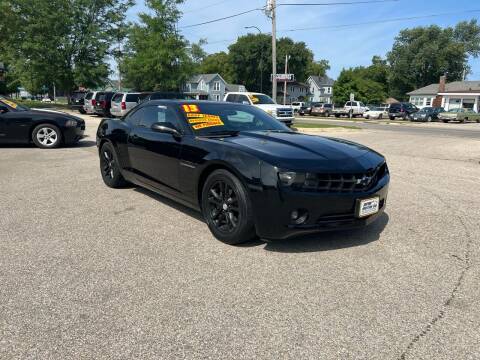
{"x": 368, "y": 207}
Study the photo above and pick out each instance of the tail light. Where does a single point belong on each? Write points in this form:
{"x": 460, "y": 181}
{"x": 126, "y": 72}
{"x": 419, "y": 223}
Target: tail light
{"x": 124, "y": 105}
{"x": 94, "y": 102}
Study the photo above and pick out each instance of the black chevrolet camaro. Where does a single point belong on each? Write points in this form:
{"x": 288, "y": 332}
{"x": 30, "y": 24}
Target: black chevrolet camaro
{"x": 246, "y": 172}
{"x": 46, "y": 129}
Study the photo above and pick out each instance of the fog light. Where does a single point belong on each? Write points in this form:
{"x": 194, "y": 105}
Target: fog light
{"x": 299, "y": 217}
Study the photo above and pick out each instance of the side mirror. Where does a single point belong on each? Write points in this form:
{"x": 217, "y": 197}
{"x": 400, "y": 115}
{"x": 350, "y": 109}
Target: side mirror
{"x": 3, "y": 109}
{"x": 166, "y": 128}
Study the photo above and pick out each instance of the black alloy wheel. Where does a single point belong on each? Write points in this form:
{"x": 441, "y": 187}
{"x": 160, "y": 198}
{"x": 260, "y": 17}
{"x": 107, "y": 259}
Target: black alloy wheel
{"x": 227, "y": 209}
{"x": 109, "y": 167}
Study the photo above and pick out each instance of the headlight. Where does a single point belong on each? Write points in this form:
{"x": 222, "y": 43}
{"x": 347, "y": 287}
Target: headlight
{"x": 71, "y": 123}
{"x": 288, "y": 178}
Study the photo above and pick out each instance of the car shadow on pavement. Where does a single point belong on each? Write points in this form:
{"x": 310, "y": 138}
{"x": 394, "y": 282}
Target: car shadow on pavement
{"x": 327, "y": 241}
{"x": 170, "y": 203}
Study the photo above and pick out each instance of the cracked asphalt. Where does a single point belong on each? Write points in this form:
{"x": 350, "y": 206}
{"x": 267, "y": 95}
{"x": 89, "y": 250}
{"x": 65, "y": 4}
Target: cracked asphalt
{"x": 91, "y": 272}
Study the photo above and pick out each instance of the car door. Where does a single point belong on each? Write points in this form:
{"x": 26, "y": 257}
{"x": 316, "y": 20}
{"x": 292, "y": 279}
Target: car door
{"x": 155, "y": 156}
{"x": 14, "y": 125}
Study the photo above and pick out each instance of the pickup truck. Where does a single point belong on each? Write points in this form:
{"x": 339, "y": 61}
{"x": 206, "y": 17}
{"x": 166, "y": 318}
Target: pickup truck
{"x": 283, "y": 113}
{"x": 351, "y": 109}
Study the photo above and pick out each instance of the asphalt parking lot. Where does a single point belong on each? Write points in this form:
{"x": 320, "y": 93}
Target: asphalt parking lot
{"x": 91, "y": 272}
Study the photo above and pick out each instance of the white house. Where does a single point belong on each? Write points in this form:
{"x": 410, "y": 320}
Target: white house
{"x": 321, "y": 89}
{"x": 457, "y": 94}
{"x": 210, "y": 87}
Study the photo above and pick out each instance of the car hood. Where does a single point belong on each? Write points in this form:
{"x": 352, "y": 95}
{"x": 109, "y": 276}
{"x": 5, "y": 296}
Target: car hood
{"x": 53, "y": 114}
{"x": 296, "y": 151}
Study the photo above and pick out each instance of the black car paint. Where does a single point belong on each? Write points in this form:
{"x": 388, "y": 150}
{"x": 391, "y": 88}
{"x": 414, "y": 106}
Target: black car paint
{"x": 176, "y": 167}
{"x": 424, "y": 113}
{"x": 16, "y": 127}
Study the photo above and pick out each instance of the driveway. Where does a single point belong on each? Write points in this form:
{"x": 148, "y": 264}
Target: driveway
{"x": 91, "y": 272}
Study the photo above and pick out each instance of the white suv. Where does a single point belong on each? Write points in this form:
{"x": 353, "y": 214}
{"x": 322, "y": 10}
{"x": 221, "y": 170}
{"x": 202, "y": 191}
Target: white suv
{"x": 282, "y": 113}
{"x": 122, "y": 103}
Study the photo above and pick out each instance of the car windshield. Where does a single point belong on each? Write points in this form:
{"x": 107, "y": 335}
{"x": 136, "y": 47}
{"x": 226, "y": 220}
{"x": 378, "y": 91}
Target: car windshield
{"x": 259, "y": 99}
{"x": 426, "y": 110}
{"x": 13, "y": 105}
{"x": 228, "y": 119}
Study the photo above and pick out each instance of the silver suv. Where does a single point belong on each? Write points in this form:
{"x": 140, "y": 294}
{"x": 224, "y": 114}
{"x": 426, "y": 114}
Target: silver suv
{"x": 122, "y": 103}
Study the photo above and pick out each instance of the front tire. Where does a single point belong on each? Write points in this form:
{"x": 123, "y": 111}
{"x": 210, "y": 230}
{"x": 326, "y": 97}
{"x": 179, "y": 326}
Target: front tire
{"x": 110, "y": 168}
{"x": 47, "y": 136}
{"x": 429, "y": 119}
{"x": 227, "y": 209}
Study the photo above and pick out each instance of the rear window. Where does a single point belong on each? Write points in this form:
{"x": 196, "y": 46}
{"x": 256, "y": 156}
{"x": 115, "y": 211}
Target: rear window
{"x": 132, "y": 97}
{"x": 327, "y": 106}
{"x": 118, "y": 97}
{"x": 89, "y": 96}
{"x": 101, "y": 97}
{"x": 99, "y": 94}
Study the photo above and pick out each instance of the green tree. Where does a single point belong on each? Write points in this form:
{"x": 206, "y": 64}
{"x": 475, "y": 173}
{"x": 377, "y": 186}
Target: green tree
{"x": 157, "y": 57}
{"x": 318, "y": 68}
{"x": 252, "y": 53}
{"x": 357, "y": 81}
{"x": 421, "y": 55}
{"x": 60, "y": 42}
{"x": 217, "y": 63}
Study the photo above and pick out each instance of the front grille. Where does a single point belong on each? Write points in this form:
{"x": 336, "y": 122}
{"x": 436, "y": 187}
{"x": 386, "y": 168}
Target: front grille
{"x": 284, "y": 113}
{"x": 343, "y": 183}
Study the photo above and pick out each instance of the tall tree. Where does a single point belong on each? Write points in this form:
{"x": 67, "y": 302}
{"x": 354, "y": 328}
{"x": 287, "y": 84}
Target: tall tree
{"x": 318, "y": 68}
{"x": 421, "y": 55}
{"x": 217, "y": 63}
{"x": 65, "y": 43}
{"x": 157, "y": 57}
{"x": 252, "y": 53}
{"x": 369, "y": 84}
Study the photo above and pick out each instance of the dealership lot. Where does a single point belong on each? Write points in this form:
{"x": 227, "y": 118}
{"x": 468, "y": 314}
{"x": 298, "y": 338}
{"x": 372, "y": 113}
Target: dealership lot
{"x": 91, "y": 272}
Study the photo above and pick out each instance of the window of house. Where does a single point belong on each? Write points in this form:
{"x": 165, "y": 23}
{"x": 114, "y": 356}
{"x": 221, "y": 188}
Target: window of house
{"x": 216, "y": 97}
{"x": 428, "y": 102}
{"x": 216, "y": 86}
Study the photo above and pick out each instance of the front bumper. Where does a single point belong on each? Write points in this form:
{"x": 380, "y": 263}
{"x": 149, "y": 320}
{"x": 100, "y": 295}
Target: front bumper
{"x": 327, "y": 211}
{"x": 71, "y": 135}
{"x": 286, "y": 120}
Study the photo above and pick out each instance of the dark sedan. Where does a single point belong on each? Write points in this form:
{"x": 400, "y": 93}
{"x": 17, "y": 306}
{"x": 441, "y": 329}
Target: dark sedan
{"x": 427, "y": 114}
{"x": 246, "y": 172}
{"x": 46, "y": 129}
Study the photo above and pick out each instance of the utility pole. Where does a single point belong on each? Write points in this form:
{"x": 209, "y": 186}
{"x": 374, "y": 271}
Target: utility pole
{"x": 272, "y": 10}
{"x": 287, "y": 57}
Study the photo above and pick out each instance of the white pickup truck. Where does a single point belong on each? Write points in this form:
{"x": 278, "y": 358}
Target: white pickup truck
{"x": 351, "y": 109}
{"x": 283, "y": 113}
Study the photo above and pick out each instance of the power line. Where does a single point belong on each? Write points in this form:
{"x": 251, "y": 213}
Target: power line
{"x": 222, "y": 18}
{"x": 337, "y": 3}
{"x": 379, "y": 21}
{"x": 205, "y": 7}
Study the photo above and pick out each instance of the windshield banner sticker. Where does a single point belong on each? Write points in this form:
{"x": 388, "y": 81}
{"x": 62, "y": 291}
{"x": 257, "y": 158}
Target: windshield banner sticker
{"x": 9, "y": 103}
{"x": 190, "y": 108}
{"x": 202, "y": 121}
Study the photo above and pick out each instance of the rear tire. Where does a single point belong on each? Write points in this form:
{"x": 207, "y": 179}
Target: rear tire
{"x": 110, "y": 168}
{"x": 227, "y": 209}
{"x": 392, "y": 117}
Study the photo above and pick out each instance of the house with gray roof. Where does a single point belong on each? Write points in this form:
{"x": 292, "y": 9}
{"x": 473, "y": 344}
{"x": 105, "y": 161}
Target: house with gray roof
{"x": 321, "y": 89}
{"x": 457, "y": 94}
{"x": 210, "y": 87}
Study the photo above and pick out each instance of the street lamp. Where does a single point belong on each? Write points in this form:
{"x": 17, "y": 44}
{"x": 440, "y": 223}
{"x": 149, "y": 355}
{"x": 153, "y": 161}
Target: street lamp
{"x": 261, "y": 56}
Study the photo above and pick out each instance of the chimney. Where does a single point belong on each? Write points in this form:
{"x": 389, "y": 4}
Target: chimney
{"x": 442, "y": 84}
{"x": 437, "y": 102}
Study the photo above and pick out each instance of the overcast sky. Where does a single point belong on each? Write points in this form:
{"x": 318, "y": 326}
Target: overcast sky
{"x": 342, "y": 46}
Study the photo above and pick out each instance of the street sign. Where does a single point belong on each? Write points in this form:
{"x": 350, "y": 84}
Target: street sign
{"x": 352, "y": 97}
{"x": 284, "y": 77}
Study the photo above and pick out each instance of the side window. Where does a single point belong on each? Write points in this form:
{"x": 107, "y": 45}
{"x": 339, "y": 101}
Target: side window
{"x": 348, "y": 104}
{"x": 133, "y": 118}
{"x": 242, "y": 99}
{"x": 159, "y": 114}
{"x": 231, "y": 98}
